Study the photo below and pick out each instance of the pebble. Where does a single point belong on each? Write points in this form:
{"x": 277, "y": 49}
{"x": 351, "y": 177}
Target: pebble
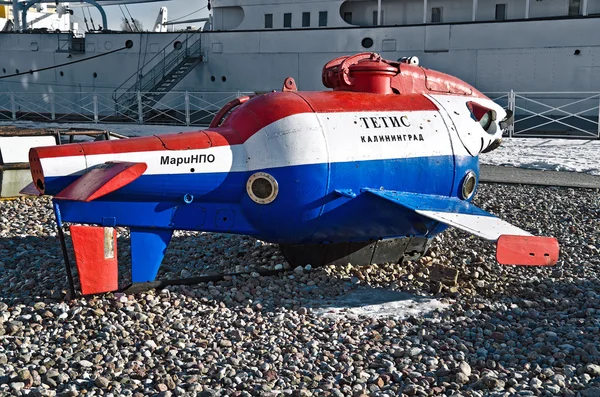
{"x": 505, "y": 330}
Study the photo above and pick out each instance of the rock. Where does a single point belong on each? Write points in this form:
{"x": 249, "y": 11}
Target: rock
{"x": 444, "y": 274}
{"x": 462, "y": 379}
{"x": 593, "y": 370}
{"x": 102, "y": 382}
{"x": 464, "y": 368}
{"x": 85, "y": 364}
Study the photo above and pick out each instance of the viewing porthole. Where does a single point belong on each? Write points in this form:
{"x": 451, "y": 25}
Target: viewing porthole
{"x": 177, "y": 45}
{"x": 262, "y": 188}
{"x": 212, "y": 78}
{"x": 367, "y": 42}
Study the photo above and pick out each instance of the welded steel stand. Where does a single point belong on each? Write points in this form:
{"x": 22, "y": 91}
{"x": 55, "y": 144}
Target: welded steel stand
{"x": 63, "y": 245}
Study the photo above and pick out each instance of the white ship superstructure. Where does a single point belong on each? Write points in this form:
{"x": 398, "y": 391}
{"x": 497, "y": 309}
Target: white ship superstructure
{"x": 253, "y": 45}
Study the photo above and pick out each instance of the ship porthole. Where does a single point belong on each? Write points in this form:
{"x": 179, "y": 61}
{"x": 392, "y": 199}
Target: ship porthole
{"x": 95, "y": 75}
{"x": 262, "y": 188}
{"x": 3, "y": 70}
{"x": 61, "y": 73}
{"x": 177, "y": 45}
{"x": 129, "y": 44}
{"x": 212, "y": 78}
{"x": 367, "y": 42}
{"x": 223, "y": 79}
{"x": 468, "y": 185}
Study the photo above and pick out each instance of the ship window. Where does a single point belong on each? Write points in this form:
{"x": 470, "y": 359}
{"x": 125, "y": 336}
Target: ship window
{"x": 305, "y": 19}
{"x": 268, "y": 21}
{"x": 436, "y": 15}
{"x": 375, "y": 17}
{"x": 367, "y": 42}
{"x": 61, "y": 73}
{"x": 287, "y": 20}
{"x": 322, "y": 18}
{"x": 348, "y": 17}
{"x": 574, "y": 6}
{"x": 500, "y": 12}
{"x": 3, "y": 70}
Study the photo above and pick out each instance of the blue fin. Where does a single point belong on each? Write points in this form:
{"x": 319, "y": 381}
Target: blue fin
{"x": 453, "y": 212}
{"x": 148, "y": 247}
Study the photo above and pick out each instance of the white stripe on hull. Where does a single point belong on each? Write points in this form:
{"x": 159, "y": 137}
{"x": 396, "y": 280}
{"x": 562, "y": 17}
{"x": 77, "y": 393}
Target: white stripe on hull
{"x": 301, "y": 139}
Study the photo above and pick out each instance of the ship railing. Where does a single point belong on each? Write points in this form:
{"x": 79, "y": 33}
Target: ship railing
{"x": 153, "y": 72}
{"x": 552, "y": 114}
{"x": 134, "y": 79}
{"x": 174, "y": 108}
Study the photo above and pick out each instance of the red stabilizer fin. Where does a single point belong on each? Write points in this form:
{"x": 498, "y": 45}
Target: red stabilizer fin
{"x": 102, "y": 180}
{"x": 96, "y": 258}
{"x": 527, "y": 250}
{"x": 30, "y": 190}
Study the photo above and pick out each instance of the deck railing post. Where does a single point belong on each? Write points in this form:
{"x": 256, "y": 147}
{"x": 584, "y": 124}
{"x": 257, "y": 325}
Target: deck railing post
{"x": 598, "y": 115}
{"x": 95, "y": 101}
{"x": 187, "y": 109}
{"x": 13, "y": 106}
{"x": 140, "y": 108}
{"x": 52, "y": 109}
{"x": 512, "y": 107}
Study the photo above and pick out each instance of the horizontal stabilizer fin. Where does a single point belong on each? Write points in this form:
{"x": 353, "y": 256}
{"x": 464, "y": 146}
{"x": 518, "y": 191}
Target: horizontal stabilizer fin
{"x": 30, "y": 190}
{"x": 527, "y": 250}
{"x": 454, "y": 212}
{"x": 102, "y": 180}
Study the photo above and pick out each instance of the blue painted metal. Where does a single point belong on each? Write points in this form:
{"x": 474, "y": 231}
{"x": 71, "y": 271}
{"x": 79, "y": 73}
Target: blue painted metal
{"x": 348, "y": 193}
{"x": 428, "y": 202}
{"x": 148, "y": 248}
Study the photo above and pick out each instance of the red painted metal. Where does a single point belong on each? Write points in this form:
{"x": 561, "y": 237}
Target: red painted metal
{"x": 226, "y": 109}
{"x": 96, "y": 258}
{"x": 372, "y": 75}
{"x": 407, "y": 79}
{"x": 527, "y": 250}
{"x": 289, "y": 85}
{"x": 102, "y": 180}
{"x": 477, "y": 110}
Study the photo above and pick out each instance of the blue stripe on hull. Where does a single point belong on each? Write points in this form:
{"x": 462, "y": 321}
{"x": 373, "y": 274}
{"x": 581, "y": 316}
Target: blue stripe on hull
{"x": 305, "y": 211}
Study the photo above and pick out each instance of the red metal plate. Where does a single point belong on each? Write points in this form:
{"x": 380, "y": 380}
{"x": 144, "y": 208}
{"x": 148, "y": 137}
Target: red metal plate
{"x": 96, "y": 258}
{"x": 527, "y": 250}
{"x": 102, "y": 180}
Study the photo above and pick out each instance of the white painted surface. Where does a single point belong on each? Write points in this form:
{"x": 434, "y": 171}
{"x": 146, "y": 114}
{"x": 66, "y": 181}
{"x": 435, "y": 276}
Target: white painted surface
{"x": 487, "y": 227}
{"x": 16, "y": 149}
{"x": 13, "y": 181}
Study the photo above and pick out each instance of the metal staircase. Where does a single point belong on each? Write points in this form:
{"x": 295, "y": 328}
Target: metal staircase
{"x": 154, "y": 82}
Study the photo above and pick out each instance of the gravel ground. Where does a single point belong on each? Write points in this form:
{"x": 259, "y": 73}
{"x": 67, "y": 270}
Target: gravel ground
{"x": 501, "y": 330}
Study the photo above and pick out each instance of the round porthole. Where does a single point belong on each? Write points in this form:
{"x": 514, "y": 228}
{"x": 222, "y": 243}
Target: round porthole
{"x": 17, "y": 71}
{"x": 61, "y": 73}
{"x": 212, "y": 78}
{"x": 367, "y": 42}
{"x": 223, "y": 79}
{"x": 177, "y": 45}
{"x": 95, "y": 75}
{"x": 468, "y": 185}
{"x": 128, "y": 44}
{"x": 262, "y": 188}
{"x": 3, "y": 70}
